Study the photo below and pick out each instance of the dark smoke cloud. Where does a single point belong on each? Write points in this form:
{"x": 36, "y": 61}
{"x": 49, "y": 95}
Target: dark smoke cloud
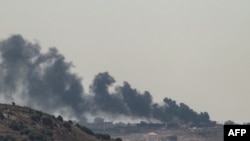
{"x": 131, "y": 103}
{"x": 104, "y": 100}
{"x": 44, "y": 81}
{"x": 139, "y": 104}
{"x": 46, "y": 77}
{"x": 125, "y": 100}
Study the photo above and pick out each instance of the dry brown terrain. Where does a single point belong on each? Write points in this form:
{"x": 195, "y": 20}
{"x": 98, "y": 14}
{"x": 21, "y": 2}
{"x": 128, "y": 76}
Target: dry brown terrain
{"x": 25, "y": 124}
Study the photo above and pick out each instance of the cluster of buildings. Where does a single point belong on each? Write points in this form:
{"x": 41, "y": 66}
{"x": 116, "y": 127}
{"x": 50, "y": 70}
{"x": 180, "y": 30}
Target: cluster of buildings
{"x": 154, "y": 131}
{"x": 131, "y": 132}
{"x": 151, "y": 136}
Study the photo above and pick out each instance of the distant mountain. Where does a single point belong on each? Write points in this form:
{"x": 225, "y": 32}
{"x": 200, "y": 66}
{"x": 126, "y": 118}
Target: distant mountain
{"x": 25, "y": 124}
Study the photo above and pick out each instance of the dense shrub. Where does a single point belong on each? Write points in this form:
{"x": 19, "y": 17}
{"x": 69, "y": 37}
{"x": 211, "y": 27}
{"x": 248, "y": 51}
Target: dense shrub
{"x": 17, "y": 126}
{"x": 10, "y": 113}
{"x": 67, "y": 125}
{"x": 49, "y": 133}
{"x": 1, "y": 115}
{"x": 36, "y": 117}
{"x": 37, "y": 137}
{"x": 47, "y": 121}
{"x": 46, "y": 132}
{"x": 25, "y": 131}
{"x": 70, "y": 121}
{"x": 103, "y": 136}
{"x": 30, "y": 111}
{"x": 39, "y": 113}
{"x": 60, "y": 118}
{"x": 118, "y": 139}
{"x": 85, "y": 129}
{"x": 7, "y": 138}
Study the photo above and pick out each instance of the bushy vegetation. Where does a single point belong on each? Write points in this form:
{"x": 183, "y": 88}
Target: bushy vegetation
{"x": 103, "y": 136}
{"x": 70, "y": 121}
{"x": 49, "y": 133}
{"x": 15, "y": 125}
{"x": 60, "y": 118}
{"x": 85, "y": 129}
{"x": 90, "y": 132}
{"x": 36, "y": 117}
{"x": 67, "y": 125}
{"x": 118, "y": 139}
{"x": 10, "y": 112}
{"x": 47, "y": 121}
{"x": 1, "y": 115}
{"x": 37, "y": 137}
{"x": 7, "y": 138}
{"x": 25, "y": 132}
{"x": 30, "y": 125}
{"x": 39, "y": 113}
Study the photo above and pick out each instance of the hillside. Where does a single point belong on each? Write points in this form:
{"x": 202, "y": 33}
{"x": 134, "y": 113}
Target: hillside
{"x": 25, "y": 124}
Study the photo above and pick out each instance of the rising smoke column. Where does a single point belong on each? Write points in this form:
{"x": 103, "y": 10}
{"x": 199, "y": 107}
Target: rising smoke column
{"x": 103, "y": 99}
{"x": 125, "y": 100}
{"x": 44, "y": 81}
{"x": 45, "y": 77}
{"x": 15, "y": 64}
{"x": 139, "y": 104}
{"x": 130, "y": 102}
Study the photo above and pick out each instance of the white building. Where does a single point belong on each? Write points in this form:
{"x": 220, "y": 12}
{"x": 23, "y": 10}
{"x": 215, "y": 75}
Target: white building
{"x": 152, "y": 136}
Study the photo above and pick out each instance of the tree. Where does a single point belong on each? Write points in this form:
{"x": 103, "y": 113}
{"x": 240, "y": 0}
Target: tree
{"x": 1, "y": 115}
{"x": 60, "y": 118}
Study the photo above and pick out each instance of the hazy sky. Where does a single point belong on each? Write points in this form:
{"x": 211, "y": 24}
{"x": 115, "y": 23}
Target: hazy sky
{"x": 196, "y": 52}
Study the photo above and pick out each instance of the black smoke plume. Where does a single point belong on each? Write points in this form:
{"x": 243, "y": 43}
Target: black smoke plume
{"x": 45, "y": 81}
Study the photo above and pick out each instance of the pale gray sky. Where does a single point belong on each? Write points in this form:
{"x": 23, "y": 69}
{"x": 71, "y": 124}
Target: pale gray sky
{"x": 196, "y": 52}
